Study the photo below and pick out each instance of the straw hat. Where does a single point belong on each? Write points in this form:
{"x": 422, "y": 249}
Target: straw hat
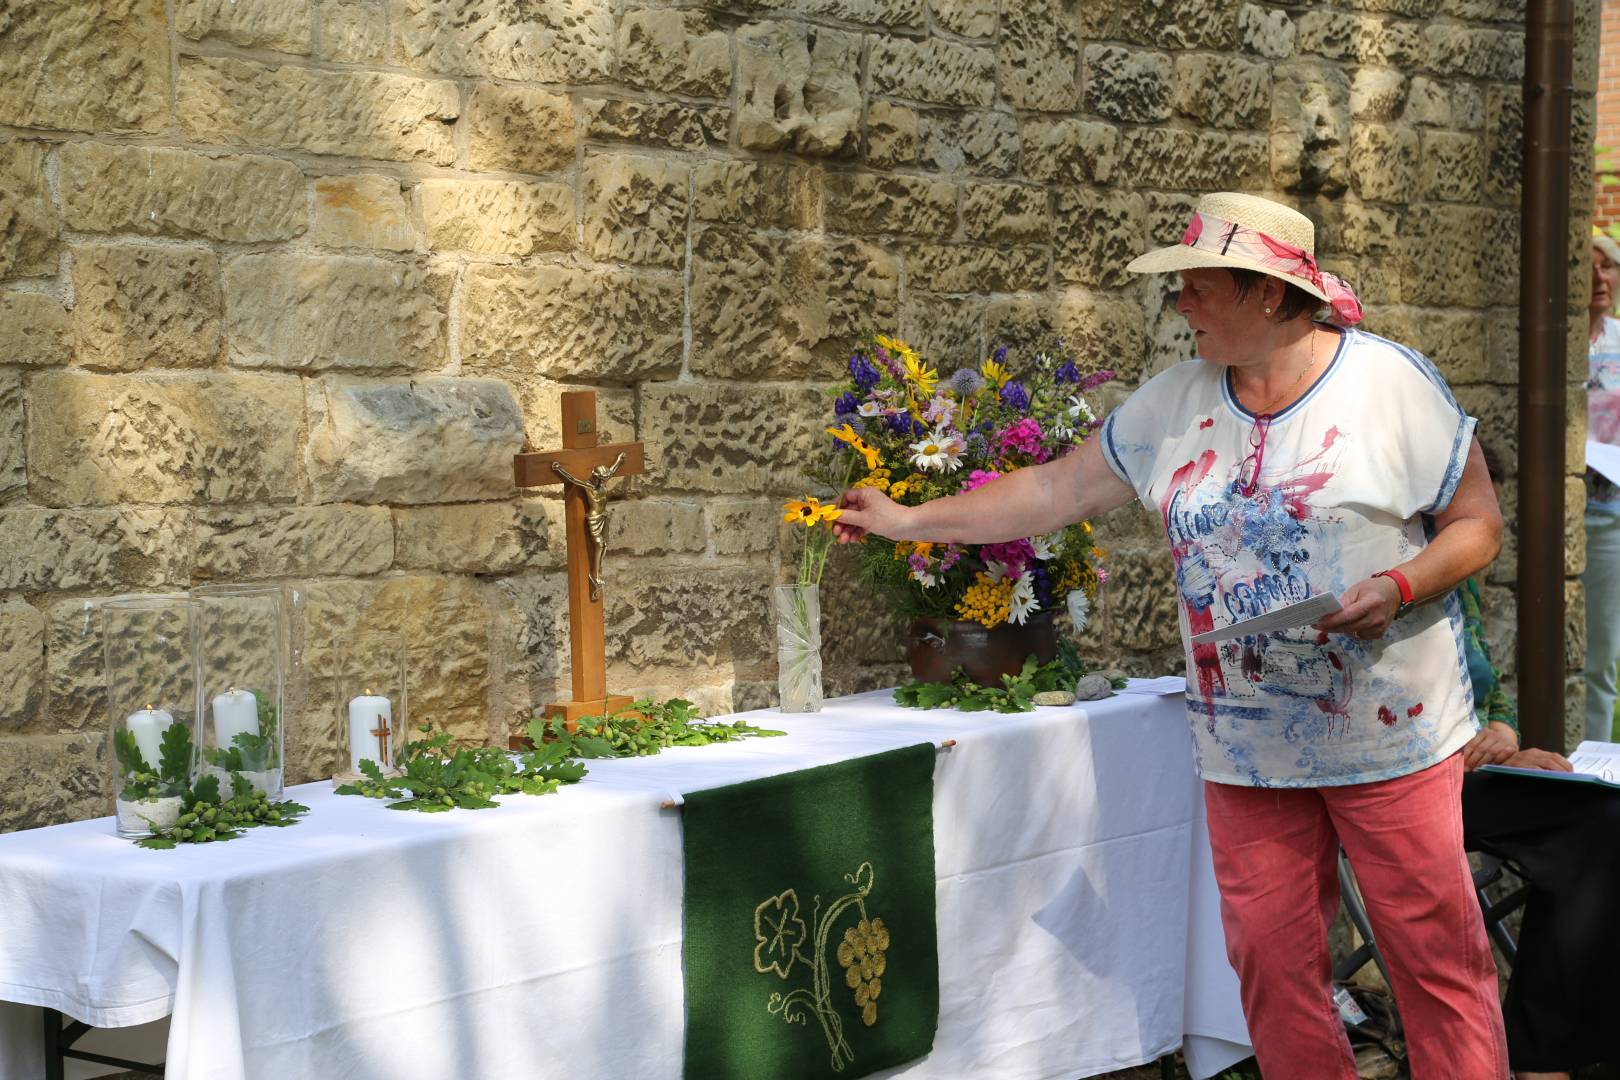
{"x": 1604, "y": 243}
{"x": 1220, "y": 209}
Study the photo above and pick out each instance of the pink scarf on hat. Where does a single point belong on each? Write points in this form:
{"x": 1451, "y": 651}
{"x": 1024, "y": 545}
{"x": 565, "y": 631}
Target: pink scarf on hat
{"x": 1230, "y": 238}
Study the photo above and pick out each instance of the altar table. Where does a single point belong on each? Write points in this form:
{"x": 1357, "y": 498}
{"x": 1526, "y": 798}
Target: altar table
{"x": 1079, "y": 930}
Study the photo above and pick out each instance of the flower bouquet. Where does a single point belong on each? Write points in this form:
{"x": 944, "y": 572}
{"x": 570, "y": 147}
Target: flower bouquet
{"x": 797, "y": 606}
{"x": 918, "y": 436}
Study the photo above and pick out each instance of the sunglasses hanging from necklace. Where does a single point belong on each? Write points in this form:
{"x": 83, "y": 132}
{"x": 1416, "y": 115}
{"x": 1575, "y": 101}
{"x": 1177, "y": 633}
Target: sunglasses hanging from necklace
{"x": 1248, "y": 477}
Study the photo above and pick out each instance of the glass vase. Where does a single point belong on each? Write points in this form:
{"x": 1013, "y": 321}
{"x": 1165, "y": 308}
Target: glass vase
{"x": 149, "y": 649}
{"x": 241, "y": 648}
{"x": 798, "y": 646}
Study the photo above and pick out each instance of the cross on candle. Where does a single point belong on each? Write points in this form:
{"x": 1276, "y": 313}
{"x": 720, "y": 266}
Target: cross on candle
{"x": 382, "y": 733}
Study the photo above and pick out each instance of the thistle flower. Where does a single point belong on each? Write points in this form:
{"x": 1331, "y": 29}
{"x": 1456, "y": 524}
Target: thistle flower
{"x": 965, "y": 382}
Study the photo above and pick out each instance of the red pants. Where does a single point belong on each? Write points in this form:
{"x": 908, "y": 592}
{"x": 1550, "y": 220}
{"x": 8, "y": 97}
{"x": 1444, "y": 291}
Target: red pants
{"x": 1276, "y": 851}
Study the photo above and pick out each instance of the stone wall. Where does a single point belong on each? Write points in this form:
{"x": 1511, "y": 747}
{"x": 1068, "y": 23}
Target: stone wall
{"x": 284, "y": 284}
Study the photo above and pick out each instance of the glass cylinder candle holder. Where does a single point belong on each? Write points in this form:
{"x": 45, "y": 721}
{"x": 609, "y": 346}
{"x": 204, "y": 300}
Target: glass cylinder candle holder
{"x": 370, "y": 701}
{"x": 241, "y": 650}
{"x": 149, "y": 649}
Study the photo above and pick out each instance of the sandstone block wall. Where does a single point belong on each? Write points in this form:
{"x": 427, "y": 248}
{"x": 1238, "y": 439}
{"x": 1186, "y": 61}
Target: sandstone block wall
{"x": 284, "y": 285}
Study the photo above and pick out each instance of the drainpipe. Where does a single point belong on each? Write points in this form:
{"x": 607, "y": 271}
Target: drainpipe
{"x": 1543, "y": 337}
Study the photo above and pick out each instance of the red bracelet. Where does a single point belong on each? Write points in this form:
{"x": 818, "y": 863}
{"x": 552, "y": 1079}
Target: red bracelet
{"x": 1400, "y": 583}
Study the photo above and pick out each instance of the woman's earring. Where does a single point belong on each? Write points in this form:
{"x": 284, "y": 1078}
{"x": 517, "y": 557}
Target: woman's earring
{"x": 1268, "y": 311}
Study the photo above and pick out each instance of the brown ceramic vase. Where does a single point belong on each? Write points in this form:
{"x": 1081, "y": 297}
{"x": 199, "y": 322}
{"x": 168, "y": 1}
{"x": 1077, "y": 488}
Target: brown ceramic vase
{"x": 937, "y": 647}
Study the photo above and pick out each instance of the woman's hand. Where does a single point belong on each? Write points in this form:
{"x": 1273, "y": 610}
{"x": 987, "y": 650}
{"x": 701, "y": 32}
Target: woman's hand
{"x": 867, "y": 510}
{"x": 1540, "y": 759}
{"x": 1365, "y": 610}
{"x": 1494, "y": 744}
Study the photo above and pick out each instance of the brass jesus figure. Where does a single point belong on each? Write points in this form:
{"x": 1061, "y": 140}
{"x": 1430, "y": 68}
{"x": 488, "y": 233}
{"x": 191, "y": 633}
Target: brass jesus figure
{"x": 596, "y": 517}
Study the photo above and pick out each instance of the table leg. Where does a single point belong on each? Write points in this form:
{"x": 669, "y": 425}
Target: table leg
{"x": 54, "y": 1068}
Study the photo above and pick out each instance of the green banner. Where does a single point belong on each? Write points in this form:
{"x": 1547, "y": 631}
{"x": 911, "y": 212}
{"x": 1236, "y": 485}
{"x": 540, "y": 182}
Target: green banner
{"x": 810, "y": 945}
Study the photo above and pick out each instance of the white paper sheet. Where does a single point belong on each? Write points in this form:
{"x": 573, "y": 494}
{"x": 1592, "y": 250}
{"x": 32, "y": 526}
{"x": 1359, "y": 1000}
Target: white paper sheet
{"x": 1605, "y": 458}
{"x": 1164, "y": 684}
{"x": 1599, "y": 759}
{"x": 1301, "y": 614}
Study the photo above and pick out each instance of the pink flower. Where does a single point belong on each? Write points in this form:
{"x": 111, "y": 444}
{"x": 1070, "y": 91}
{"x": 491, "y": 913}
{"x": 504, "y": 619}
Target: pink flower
{"x": 980, "y": 477}
{"x": 950, "y": 558}
{"x": 1102, "y": 575}
{"x": 1024, "y": 437}
{"x": 1014, "y": 555}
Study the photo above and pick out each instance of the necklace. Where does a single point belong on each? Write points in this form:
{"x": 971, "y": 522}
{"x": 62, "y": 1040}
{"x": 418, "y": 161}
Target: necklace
{"x": 1266, "y": 410}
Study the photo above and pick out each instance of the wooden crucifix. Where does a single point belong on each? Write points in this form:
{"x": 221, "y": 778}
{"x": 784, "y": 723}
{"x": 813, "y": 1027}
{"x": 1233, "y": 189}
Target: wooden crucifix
{"x": 584, "y": 468}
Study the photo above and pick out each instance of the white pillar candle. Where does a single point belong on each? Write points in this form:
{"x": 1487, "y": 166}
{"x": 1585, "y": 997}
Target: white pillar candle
{"x": 148, "y": 726}
{"x": 235, "y": 711}
{"x": 366, "y": 713}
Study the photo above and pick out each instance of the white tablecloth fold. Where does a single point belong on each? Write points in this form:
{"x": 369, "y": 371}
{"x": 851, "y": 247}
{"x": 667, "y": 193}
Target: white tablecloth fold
{"x": 1078, "y": 922}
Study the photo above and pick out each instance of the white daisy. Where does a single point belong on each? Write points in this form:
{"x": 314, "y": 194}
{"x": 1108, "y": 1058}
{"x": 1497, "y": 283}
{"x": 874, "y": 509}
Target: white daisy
{"x": 1045, "y": 546}
{"x": 1079, "y": 609}
{"x": 937, "y": 452}
{"x": 994, "y": 570}
{"x": 927, "y": 578}
{"x": 1022, "y": 604}
{"x": 870, "y": 409}
{"x": 1079, "y": 411}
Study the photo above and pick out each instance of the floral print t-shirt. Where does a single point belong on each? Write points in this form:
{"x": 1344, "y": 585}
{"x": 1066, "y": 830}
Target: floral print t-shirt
{"x": 1347, "y": 470}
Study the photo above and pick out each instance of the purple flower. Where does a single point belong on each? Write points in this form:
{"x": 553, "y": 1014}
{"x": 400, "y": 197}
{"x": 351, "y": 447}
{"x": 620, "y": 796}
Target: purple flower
{"x": 865, "y": 375}
{"x": 1041, "y": 577}
{"x": 917, "y": 562}
{"x": 1094, "y": 380}
{"x": 847, "y": 403}
{"x": 1067, "y": 372}
{"x": 902, "y": 424}
{"x": 1001, "y": 354}
{"x": 883, "y": 357}
{"x": 953, "y": 554}
{"x": 1015, "y": 396}
{"x": 1102, "y": 576}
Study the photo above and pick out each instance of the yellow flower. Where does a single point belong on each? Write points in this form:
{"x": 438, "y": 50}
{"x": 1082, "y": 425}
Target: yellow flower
{"x": 986, "y": 602}
{"x": 898, "y": 489}
{"x": 847, "y": 435}
{"x": 920, "y": 373}
{"x": 809, "y": 512}
{"x": 995, "y": 373}
{"x": 1086, "y": 525}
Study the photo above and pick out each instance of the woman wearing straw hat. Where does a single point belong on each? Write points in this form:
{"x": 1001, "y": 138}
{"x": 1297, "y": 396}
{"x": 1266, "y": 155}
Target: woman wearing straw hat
{"x": 1294, "y": 459}
{"x": 1601, "y": 582}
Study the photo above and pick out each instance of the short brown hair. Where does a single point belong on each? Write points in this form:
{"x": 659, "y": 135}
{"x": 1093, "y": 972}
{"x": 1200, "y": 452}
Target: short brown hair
{"x": 1296, "y": 302}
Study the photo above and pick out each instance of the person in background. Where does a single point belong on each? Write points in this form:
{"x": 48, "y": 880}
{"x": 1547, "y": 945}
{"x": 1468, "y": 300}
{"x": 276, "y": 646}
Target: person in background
{"x": 1566, "y": 840}
{"x": 1293, "y": 458}
{"x": 1601, "y": 581}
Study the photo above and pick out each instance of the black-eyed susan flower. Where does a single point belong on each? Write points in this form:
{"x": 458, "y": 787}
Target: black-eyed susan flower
{"x": 847, "y": 434}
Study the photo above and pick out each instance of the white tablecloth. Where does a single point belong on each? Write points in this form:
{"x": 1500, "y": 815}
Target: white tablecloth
{"x": 1078, "y": 924}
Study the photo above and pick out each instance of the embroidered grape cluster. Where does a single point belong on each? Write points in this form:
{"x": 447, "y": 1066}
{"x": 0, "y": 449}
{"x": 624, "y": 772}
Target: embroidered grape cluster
{"x": 862, "y": 956}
